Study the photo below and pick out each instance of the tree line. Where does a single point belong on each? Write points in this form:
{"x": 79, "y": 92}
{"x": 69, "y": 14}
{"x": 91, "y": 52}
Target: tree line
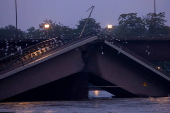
{"x": 130, "y": 25}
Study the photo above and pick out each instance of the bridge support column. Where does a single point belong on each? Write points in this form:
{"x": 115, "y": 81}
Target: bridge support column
{"x": 79, "y": 89}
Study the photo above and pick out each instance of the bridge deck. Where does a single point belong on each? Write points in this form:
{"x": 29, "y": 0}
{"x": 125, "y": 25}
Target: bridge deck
{"x": 139, "y": 59}
{"x": 49, "y": 53}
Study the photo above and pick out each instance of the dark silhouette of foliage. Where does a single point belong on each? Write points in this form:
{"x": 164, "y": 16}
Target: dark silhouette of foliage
{"x": 55, "y": 30}
{"x": 130, "y": 26}
{"x": 9, "y": 32}
{"x": 155, "y": 23}
{"x": 32, "y": 33}
{"x": 92, "y": 27}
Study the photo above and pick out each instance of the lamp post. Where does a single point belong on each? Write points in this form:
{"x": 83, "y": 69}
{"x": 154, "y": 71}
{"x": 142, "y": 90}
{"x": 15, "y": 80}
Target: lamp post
{"x": 16, "y": 18}
{"x": 155, "y": 16}
{"x": 47, "y": 26}
{"x": 109, "y": 26}
{"x": 154, "y": 7}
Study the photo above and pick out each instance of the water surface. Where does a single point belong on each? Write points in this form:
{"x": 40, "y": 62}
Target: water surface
{"x": 96, "y": 104}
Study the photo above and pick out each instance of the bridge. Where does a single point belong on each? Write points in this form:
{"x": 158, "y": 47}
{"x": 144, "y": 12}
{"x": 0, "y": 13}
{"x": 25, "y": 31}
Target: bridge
{"x": 62, "y": 68}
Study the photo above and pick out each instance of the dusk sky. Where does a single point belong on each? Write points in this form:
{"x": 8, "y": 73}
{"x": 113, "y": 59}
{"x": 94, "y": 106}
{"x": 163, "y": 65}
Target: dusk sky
{"x": 68, "y": 12}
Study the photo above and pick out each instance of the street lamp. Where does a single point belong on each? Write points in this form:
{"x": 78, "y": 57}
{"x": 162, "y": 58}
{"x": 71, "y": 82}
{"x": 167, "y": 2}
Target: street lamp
{"x": 47, "y": 26}
{"x": 155, "y": 17}
{"x": 154, "y": 7}
{"x": 109, "y": 26}
{"x": 16, "y": 18}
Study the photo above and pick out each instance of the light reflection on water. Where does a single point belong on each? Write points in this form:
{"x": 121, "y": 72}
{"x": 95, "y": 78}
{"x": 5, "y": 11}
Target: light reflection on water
{"x": 99, "y": 94}
{"x": 93, "y": 105}
{"x": 96, "y": 92}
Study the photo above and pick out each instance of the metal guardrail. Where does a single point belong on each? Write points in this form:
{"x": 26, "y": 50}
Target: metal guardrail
{"x": 34, "y": 52}
{"x": 114, "y": 42}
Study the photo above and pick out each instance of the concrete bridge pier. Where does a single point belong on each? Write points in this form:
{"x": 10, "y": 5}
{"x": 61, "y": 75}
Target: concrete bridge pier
{"x": 73, "y": 87}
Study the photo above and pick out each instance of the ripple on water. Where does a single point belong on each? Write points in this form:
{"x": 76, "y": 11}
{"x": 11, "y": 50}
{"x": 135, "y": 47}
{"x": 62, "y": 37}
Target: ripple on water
{"x": 93, "y": 105}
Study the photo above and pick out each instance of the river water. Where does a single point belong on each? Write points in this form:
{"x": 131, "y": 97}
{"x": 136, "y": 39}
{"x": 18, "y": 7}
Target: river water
{"x": 98, "y": 102}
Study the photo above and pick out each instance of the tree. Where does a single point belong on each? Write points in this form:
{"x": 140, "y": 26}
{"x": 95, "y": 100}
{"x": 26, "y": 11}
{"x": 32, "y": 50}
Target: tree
{"x": 9, "y": 32}
{"x": 164, "y": 31}
{"x": 155, "y": 23}
{"x": 55, "y": 30}
{"x": 130, "y": 25}
{"x": 31, "y": 30}
{"x": 33, "y": 33}
{"x": 92, "y": 27}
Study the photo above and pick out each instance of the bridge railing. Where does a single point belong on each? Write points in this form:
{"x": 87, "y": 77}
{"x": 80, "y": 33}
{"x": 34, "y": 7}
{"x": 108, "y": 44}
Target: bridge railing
{"x": 117, "y": 44}
{"x": 31, "y": 53}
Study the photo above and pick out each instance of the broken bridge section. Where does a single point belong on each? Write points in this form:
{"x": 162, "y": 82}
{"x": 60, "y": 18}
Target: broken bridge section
{"x": 126, "y": 74}
{"x": 39, "y": 76}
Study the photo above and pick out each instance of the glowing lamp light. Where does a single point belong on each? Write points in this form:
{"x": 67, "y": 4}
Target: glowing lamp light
{"x": 144, "y": 84}
{"x": 159, "y": 68}
{"x": 109, "y": 26}
{"x": 96, "y": 92}
{"x": 46, "y": 26}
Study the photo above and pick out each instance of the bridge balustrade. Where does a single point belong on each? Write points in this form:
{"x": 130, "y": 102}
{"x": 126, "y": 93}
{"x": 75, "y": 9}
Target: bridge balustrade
{"x": 31, "y": 53}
